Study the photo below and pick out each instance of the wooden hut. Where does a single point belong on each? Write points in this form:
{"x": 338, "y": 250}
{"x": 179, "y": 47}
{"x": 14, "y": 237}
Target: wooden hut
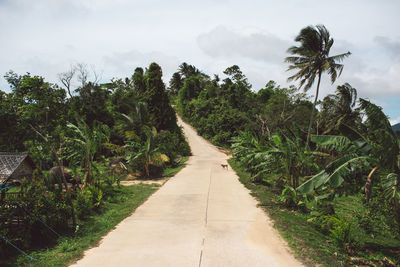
{"x": 14, "y": 167}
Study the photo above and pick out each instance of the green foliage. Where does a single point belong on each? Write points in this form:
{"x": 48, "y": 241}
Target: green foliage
{"x": 69, "y": 248}
{"x": 339, "y": 229}
{"x": 291, "y": 199}
{"x": 172, "y": 144}
{"x": 218, "y": 111}
{"x": 94, "y": 123}
{"x": 147, "y": 155}
{"x": 279, "y": 154}
{"x": 88, "y": 200}
{"x": 161, "y": 113}
{"x": 91, "y": 104}
{"x": 83, "y": 143}
{"x": 338, "y": 111}
{"x": 32, "y": 102}
{"x": 32, "y": 212}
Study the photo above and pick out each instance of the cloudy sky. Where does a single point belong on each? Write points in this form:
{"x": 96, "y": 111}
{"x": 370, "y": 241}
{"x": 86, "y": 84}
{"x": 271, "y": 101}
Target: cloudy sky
{"x": 44, "y": 37}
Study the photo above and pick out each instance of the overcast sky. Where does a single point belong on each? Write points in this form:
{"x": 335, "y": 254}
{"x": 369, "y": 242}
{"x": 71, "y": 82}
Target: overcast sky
{"x": 44, "y": 37}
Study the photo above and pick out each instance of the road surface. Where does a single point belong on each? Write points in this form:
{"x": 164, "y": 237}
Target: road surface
{"x": 203, "y": 216}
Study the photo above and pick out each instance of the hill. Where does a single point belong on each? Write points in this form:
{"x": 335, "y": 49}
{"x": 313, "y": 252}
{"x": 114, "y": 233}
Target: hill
{"x": 396, "y": 127}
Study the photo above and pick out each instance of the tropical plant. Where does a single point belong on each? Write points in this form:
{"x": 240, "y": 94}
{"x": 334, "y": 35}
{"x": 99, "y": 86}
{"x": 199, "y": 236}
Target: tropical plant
{"x": 133, "y": 124}
{"x": 175, "y": 83}
{"x": 378, "y": 149}
{"x": 338, "y": 109}
{"x": 311, "y": 58}
{"x": 280, "y": 154}
{"x": 351, "y": 157}
{"x": 146, "y": 153}
{"x": 82, "y": 143}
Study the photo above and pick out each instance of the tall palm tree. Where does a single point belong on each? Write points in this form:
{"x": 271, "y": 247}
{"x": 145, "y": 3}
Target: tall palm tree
{"x": 311, "y": 58}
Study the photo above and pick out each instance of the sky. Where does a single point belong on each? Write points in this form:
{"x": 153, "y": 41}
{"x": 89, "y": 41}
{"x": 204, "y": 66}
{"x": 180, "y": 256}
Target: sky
{"x": 46, "y": 37}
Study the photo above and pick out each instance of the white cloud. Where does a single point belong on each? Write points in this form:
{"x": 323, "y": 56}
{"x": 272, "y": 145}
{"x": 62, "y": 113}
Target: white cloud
{"x": 222, "y": 42}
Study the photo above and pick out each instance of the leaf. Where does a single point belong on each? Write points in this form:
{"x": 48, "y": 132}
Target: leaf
{"x": 331, "y": 142}
{"x": 314, "y": 182}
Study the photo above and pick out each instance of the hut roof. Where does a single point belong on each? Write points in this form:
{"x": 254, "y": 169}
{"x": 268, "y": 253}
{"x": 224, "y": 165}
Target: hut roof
{"x": 9, "y": 162}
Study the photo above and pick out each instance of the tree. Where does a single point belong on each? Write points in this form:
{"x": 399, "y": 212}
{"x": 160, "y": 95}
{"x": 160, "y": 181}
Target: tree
{"x": 66, "y": 79}
{"x": 338, "y": 109}
{"x": 311, "y": 58}
{"x": 187, "y": 70}
{"x": 31, "y": 101}
{"x": 138, "y": 80}
{"x": 160, "y": 110}
{"x": 236, "y": 87}
{"x": 83, "y": 143}
{"x": 175, "y": 83}
{"x": 91, "y": 104}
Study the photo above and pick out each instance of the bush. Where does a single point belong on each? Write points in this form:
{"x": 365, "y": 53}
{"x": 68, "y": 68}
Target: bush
{"x": 172, "y": 144}
{"x": 88, "y": 199}
{"x": 340, "y": 233}
{"x": 31, "y": 216}
{"x": 339, "y": 229}
{"x": 83, "y": 204}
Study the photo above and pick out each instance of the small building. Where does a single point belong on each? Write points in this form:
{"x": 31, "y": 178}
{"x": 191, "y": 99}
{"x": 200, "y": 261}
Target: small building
{"x": 15, "y": 166}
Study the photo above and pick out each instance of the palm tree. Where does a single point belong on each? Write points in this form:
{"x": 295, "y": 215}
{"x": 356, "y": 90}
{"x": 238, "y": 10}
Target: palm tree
{"x": 134, "y": 123}
{"x": 83, "y": 143}
{"x": 175, "y": 83}
{"x": 338, "y": 109}
{"x": 147, "y": 153}
{"x": 312, "y": 58}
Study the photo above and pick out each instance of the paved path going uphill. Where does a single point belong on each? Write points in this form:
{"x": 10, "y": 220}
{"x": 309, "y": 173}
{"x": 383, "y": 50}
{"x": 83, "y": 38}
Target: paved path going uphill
{"x": 201, "y": 217}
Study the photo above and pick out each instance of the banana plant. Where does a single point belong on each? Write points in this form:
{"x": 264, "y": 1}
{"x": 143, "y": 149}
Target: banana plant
{"x": 280, "y": 154}
{"x": 376, "y": 149}
{"x": 353, "y": 156}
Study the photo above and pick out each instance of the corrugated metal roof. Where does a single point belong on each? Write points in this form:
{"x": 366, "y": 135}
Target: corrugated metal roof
{"x": 9, "y": 162}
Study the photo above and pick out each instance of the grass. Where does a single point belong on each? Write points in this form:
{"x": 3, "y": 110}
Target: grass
{"x": 171, "y": 171}
{"x": 310, "y": 245}
{"x": 70, "y": 248}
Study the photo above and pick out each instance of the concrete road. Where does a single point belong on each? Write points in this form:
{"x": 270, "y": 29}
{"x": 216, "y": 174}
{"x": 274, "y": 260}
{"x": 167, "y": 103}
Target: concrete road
{"x": 201, "y": 217}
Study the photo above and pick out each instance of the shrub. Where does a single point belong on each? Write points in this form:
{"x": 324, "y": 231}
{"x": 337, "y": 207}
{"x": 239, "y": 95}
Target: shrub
{"x": 88, "y": 199}
{"x": 83, "y": 204}
{"x": 172, "y": 144}
{"x": 31, "y": 216}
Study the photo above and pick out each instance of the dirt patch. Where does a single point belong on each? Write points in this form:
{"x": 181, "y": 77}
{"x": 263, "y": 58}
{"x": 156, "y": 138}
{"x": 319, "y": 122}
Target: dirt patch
{"x": 158, "y": 181}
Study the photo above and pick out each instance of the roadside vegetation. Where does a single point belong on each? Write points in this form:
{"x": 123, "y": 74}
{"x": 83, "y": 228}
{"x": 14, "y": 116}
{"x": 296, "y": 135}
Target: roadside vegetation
{"x": 327, "y": 171}
{"x": 70, "y": 247}
{"x": 329, "y": 176}
{"x": 82, "y": 146}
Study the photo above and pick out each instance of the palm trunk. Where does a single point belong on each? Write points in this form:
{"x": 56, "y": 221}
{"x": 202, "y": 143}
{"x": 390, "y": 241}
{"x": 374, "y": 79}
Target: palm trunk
{"x": 312, "y": 113}
{"x": 367, "y": 187}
